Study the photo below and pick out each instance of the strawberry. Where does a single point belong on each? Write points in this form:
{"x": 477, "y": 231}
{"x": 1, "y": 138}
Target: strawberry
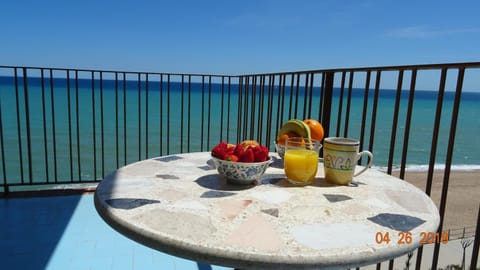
{"x": 238, "y": 150}
{"x": 261, "y": 153}
{"x": 247, "y": 156}
{"x": 220, "y": 150}
{"x": 230, "y": 149}
{"x": 232, "y": 158}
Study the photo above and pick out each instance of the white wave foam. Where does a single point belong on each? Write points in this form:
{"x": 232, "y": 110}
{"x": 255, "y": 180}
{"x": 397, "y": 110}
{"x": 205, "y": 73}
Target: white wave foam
{"x": 424, "y": 167}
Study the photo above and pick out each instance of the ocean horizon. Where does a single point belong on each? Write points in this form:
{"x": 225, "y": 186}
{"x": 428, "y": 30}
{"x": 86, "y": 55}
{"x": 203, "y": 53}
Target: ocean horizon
{"x": 174, "y": 111}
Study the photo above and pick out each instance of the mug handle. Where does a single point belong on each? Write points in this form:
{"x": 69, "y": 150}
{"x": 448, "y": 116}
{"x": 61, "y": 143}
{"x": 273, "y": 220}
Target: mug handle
{"x": 370, "y": 159}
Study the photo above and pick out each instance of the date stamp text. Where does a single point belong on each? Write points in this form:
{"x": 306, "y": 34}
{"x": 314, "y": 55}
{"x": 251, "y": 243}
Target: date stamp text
{"x": 406, "y": 238}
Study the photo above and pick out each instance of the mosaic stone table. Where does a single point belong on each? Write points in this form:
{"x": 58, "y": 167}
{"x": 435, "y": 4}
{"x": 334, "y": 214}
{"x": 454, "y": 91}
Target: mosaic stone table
{"x": 179, "y": 205}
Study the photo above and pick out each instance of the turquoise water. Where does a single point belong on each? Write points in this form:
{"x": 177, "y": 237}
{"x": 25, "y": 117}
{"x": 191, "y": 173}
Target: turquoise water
{"x": 171, "y": 113}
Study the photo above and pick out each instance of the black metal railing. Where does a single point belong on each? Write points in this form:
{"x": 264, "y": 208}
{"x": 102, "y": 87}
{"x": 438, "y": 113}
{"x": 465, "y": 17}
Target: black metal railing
{"x": 74, "y": 126}
{"x": 461, "y": 233}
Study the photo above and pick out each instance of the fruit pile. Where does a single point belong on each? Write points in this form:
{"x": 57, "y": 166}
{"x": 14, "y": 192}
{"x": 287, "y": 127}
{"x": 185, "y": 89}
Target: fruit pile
{"x": 247, "y": 151}
{"x": 308, "y": 129}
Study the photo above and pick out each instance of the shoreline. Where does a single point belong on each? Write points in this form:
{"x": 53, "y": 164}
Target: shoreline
{"x": 437, "y": 167}
{"x": 463, "y": 196}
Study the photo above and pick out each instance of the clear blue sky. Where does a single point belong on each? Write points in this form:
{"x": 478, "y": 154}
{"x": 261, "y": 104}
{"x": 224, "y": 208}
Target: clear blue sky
{"x": 233, "y": 37}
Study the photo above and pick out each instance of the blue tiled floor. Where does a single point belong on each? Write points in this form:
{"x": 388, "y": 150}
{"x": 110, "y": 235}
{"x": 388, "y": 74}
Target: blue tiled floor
{"x": 65, "y": 232}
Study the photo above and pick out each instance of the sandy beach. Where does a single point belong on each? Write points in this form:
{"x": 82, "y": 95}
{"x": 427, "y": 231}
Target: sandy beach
{"x": 463, "y": 198}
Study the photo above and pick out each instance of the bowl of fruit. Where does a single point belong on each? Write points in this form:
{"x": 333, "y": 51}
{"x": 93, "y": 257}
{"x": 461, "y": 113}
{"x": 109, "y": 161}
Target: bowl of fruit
{"x": 243, "y": 163}
{"x": 308, "y": 129}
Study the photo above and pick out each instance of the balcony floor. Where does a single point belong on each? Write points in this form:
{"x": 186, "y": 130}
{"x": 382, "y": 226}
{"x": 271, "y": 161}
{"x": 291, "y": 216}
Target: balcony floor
{"x": 65, "y": 232}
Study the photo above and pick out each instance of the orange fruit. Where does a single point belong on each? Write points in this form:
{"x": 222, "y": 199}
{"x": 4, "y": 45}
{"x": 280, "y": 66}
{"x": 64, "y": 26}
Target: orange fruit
{"x": 316, "y": 129}
{"x": 281, "y": 140}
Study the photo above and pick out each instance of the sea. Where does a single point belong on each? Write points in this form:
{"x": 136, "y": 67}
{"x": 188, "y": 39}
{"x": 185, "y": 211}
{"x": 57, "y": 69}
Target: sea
{"x": 72, "y": 139}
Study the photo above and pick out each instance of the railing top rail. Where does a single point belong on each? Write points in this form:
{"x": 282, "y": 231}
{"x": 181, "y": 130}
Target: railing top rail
{"x": 117, "y": 71}
{"x": 382, "y": 68}
{"x": 347, "y": 69}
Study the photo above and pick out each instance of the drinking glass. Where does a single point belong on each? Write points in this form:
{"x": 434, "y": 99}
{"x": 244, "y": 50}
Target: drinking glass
{"x": 301, "y": 160}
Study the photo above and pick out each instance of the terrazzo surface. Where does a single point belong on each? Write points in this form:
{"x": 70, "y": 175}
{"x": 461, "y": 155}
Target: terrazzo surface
{"x": 180, "y": 205}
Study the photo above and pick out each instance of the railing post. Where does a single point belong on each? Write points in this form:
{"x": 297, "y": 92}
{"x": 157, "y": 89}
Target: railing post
{"x": 327, "y": 99}
{"x": 476, "y": 243}
{"x": 448, "y": 160}
{"x": 2, "y": 152}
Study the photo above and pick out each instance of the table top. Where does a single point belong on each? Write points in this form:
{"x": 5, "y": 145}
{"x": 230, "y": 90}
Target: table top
{"x": 178, "y": 204}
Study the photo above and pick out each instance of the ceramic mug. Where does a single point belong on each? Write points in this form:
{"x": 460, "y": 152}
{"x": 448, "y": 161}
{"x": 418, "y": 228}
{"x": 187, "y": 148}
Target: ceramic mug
{"x": 340, "y": 155}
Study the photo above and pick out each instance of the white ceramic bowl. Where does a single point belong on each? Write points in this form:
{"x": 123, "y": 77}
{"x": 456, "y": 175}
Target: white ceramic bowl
{"x": 241, "y": 172}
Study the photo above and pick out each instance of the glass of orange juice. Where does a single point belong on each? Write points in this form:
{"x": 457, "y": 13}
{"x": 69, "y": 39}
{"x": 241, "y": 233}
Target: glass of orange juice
{"x": 301, "y": 160}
